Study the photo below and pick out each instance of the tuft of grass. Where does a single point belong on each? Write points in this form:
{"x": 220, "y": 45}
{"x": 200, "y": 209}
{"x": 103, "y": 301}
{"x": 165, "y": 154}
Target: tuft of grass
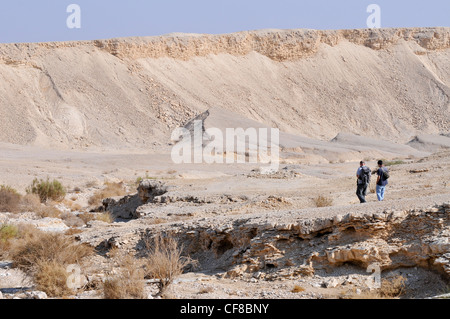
{"x": 127, "y": 283}
{"x": 110, "y": 190}
{"x": 206, "y": 290}
{"x": 7, "y": 233}
{"x": 164, "y": 261}
{"x": 73, "y": 231}
{"x": 323, "y": 201}
{"x": 31, "y": 203}
{"x": 45, "y": 257}
{"x": 51, "y": 277}
{"x": 47, "y": 189}
{"x": 297, "y": 289}
{"x": 48, "y": 211}
{"x": 392, "y": 163}
{"x": 86, "y": 217}
{"x": 35, "y": 246}
{"x": 394, "y": 287}
{"x": 106, "y": 217}
{"x": 391, "y": 288}
{"x": 71, "y": 220}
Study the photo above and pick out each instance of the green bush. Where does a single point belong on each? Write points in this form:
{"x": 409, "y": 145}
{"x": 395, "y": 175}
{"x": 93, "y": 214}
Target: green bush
{"x": 8, "y": 232}
{"x": 47, "y": 189}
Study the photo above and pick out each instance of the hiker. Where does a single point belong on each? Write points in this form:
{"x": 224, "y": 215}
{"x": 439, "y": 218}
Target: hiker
{"x": 363, "y": 174}
{"x": 382, "y": 181}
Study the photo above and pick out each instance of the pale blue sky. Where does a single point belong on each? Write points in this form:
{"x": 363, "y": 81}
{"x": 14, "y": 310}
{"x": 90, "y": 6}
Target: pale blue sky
{"x": 45, "y": 20}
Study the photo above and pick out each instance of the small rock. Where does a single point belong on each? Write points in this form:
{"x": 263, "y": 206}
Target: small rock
{"x": 36, "y": 295}
{"x": 332, "y": 283}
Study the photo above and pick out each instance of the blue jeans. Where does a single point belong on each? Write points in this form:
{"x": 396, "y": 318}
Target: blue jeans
{"x": 380, "y": 192}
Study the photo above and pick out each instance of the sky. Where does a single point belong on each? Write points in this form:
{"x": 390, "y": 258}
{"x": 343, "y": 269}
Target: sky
{"x": 46, "y": 20}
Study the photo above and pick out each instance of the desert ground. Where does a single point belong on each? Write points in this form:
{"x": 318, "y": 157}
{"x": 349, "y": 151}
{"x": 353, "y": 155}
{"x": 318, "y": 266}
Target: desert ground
{"x": 99, "y": 115}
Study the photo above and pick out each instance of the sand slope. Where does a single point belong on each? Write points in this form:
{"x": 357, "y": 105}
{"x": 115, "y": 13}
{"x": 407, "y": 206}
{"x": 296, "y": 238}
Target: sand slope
{"x": 390, "y": 84}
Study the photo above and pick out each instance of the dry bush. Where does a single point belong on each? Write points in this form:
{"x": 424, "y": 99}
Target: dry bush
{"x": 48, "y": 211}
{"x": 72, "y": 220}
{"x": 106, "y": 217}
{"x": 394, "y": 287}
{"x": 72, "y": 231}
{"x": 45, "y": 256}
{"x": 74, "y": 207}
{"x": 206, "y": 290}
{"x": 35, "y": 246}
{"x": 110, "y": 190}
{"x": 127, "y": 283}
{"x": 47, "y": 189}
{"x": 7, "y": 233}
{"x": 51, "y": 277}
{"x": 323, "y": 201}
{"x": 86, "y": 217}
{"x": 164, "y": 261}
{"x": 297, "y": 289}
{"x": 9, "y": 200}
{"x": 30, "y": 203}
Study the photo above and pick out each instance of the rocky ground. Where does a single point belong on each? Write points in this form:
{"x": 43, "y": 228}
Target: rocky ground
{"x": 263, "y": 236}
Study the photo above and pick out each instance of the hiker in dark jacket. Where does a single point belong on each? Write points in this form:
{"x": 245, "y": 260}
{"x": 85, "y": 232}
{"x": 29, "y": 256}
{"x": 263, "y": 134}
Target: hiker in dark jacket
{"x": 363, "y": 174}
{"x": 382, "y": 181}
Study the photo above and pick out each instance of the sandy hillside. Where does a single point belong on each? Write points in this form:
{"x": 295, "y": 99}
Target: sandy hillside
{"x": 388, "y": 84}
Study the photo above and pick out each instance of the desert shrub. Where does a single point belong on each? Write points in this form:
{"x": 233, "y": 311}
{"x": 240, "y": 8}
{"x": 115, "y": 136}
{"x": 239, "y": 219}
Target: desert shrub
{"x": 394, "y": 287}
{"x": 127, "y": 283}
{"x": 323, "y": 201}
{"x": 297, "y": 289}
{"x": 47, "y": 189}
{"x": 9, "y": 199}
{"x": 72, "y": 220}
{"x": 51, "y": 277}
{"x": 48, "y": 211}
{"x": 106, "y": 217}
{"x": 37, "y": 246}
{"x": 110, "y": 190}
{"x": 7, "y": 232}
{"x": 31, "y": 203}
{"x": 86, "y": 217}
{"x": 73, "y": 231}
{"x": 393, "y": 163}
{"x": 164, "y": 261}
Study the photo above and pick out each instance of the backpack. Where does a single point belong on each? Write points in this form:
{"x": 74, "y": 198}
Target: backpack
{"x": 365, "y": 175}
{"x": 386, "y": 174}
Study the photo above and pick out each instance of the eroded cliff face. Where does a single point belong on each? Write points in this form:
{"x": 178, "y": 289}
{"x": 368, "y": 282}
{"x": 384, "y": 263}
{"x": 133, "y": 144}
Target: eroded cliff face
{"x": 278, "y": 45}
{"x": 387, "y": 240}
{"x": 132, "y": 92}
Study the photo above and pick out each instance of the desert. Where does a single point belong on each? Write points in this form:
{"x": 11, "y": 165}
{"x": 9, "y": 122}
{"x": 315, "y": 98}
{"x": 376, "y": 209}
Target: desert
{"x": 98, "y": 118}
